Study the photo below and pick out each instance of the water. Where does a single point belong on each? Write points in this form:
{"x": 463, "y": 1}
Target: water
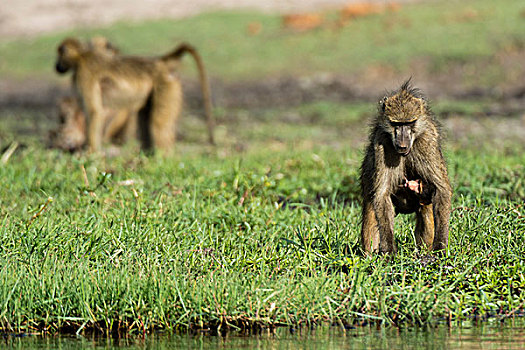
{"x": 494, "y": 335}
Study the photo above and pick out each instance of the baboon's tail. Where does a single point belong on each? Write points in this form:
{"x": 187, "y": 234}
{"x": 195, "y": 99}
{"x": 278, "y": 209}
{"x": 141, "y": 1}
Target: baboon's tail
{"x": 205, "y": 87}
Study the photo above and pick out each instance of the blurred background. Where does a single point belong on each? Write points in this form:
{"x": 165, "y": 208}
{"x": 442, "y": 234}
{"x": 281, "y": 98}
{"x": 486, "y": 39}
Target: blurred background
{"x": 292, "y": 73}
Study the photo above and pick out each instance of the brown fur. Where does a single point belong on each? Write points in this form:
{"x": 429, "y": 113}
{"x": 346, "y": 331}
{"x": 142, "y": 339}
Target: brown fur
{"x": 126, "y": 85}
{"x": 71, "y": 132}
{"x": 404, "y": 146}
{"x": 103, "y": 46}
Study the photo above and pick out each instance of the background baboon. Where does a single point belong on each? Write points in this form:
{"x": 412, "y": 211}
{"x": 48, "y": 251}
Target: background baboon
{"x": 404, "y": 169}
{"x": 129, "y": 84}
{"x": 71, "y": 132}
{"x": 103, "y": 46}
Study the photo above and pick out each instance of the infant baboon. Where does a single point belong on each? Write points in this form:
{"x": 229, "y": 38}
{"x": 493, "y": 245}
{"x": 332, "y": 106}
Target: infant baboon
{"x": 404, "y": 171}
{"x": 127, "y": 85}
{"x": 70, "y": 134}
{"x": 103, "y": 46}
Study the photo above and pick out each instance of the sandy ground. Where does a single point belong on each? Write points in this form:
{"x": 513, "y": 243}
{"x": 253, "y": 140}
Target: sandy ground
{"x": 26, "y": 18}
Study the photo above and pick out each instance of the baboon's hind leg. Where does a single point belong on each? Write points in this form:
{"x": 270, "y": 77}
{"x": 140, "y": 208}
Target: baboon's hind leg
{"x": 167, "y": 103}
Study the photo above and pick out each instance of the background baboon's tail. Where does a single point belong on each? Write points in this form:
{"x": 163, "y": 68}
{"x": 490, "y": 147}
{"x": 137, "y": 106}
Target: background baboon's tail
{"x": 205, "y": 87}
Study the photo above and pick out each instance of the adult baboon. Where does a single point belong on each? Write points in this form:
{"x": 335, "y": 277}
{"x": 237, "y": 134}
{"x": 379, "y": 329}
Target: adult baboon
{"x": 120, "y": 125}
{"x": 125, "y": 84}
{"x": 71, "y": 132}
{"x": 404, "y": 171}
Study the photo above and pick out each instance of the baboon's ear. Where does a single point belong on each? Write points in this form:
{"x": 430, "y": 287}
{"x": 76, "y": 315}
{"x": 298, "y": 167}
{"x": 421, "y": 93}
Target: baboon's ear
{"x": 382, "y": 103}
{"x": 422, "y": 104}
{"x": 111, "y": 47}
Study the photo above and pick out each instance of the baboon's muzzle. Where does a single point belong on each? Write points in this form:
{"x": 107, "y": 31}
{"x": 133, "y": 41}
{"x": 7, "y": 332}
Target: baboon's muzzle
{"x": 403, "y": 139}
{"x": 61, "y": 68}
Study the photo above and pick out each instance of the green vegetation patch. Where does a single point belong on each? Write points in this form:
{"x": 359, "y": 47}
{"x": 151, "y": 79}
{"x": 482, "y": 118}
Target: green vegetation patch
{"x": 257, "y": 238}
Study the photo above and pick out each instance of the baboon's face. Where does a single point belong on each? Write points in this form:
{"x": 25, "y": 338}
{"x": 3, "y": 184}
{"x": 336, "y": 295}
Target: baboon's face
{"x": 62, "y": 65}
{"x": 68, "y": 52}
{"x": 400, "y": 118}
{"x": 70, "y": 135}
{"x": 403, "y": 137}
{"x": 101, "y": 45}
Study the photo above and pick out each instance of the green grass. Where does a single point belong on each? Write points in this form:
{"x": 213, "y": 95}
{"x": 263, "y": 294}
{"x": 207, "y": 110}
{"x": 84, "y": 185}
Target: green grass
{"x": 258, "y": 236}
{"x": 441, "y": 32}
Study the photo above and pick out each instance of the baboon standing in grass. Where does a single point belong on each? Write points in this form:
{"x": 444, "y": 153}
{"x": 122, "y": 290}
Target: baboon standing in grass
{"x": 404, "y": 171}
{"x": 126, "y": 85}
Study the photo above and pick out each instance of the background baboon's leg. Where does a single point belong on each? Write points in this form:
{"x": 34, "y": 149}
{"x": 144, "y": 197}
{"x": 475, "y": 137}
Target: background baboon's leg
{"x": 116, "y": 124}
{"x": 94, "y": 131}
{"x": 369, "y": 230}
{"x": 130, "y": 128}
{"x": 425, "y": 226}
{"x": 92, "y": 104}
{"x": 165, "y": 110}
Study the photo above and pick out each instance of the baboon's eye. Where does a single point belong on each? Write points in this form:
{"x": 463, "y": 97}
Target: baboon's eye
{"x": 396, "y": 124}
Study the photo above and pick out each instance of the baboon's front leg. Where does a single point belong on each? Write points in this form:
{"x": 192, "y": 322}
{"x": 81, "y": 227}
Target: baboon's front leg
{"x": 93, "y": 109}
{"x": 442, "y": 206}
{"x": 131, "y": 127}
{"x": 425, "y": 226}
{"x": 116, "y": 124}
{"x": 384, "y": 210}
{"x": 94, "y": 131}
{"x": 369, "y": 229}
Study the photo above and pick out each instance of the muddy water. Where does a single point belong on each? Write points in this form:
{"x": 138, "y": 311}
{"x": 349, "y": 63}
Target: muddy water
{"x": 493, "y": 335}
